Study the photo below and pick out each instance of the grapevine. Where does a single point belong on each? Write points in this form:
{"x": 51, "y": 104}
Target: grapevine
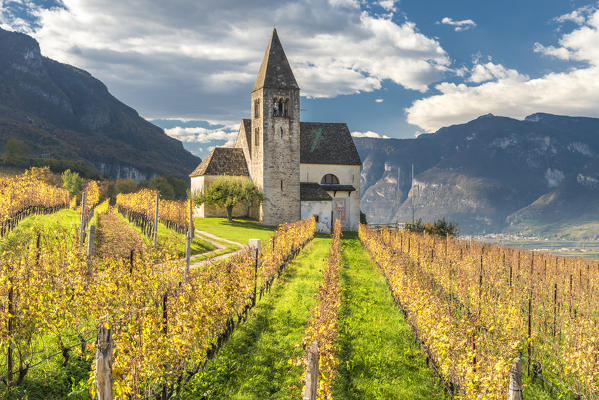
{"x": 27, "y": 194}
{"x": 165, "y": 324}
{"x": 476, "y": 307}
{"x": 323, "y": 326}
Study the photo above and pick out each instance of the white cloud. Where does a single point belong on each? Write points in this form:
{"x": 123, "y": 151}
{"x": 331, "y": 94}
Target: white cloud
{"x": 558, "y": 52}
{"x": 379, "y": 100}
{"x": 199, "y": 59}
{"x": 369, "y": 134}
{"x": 459, "y": 26}
{"x": 202, "y": 135}
{"x": 573, "y": 92}
{"x": 577, "y": 16}
{"x": 490, "y": 71}
{"x": 388, "y": 5}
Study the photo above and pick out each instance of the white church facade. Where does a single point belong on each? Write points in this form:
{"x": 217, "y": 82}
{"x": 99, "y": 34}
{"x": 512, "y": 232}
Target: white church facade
{"x": 303, "y": 168}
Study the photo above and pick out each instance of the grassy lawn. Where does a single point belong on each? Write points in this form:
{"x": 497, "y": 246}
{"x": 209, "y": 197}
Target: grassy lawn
{"x": 378, "y": 358}
{"x": 239, "y": 230}
{"x": 63, "y": 219}
{"x": 198, "y": 245}
{"x": 255, "y": 362}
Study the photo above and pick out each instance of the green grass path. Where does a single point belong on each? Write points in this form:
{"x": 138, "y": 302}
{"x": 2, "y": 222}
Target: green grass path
{"x": 378, "y": 358}
{"x": 198, "y": 245}
{"x": 239, "y": 230}
{"x": 255, "y": 361}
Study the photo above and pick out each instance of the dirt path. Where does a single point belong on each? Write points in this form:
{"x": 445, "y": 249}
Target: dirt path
{"x": 116, "y": 238}
{"x": 215, "y": 241}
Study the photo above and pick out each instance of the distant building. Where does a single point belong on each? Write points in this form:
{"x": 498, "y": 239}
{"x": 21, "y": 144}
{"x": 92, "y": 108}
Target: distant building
{"x": 303, "y": 168}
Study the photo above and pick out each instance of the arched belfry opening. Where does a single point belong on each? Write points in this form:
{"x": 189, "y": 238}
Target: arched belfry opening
{"x": 280, "y": 107}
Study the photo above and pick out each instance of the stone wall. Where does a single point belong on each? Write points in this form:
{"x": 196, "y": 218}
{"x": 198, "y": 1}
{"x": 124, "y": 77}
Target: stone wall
{"x": 277, "y": 155}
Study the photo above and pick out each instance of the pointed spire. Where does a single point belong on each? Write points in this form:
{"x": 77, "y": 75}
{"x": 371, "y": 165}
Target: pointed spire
{"x": 275, "y": 71}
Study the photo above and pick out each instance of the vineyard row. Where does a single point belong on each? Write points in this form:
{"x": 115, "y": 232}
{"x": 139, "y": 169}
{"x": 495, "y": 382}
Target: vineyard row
{"x": 476, "y": 308}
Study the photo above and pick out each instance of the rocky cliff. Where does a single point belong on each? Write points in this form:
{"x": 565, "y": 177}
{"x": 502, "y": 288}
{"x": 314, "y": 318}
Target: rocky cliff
{"x": 537, "y": 175}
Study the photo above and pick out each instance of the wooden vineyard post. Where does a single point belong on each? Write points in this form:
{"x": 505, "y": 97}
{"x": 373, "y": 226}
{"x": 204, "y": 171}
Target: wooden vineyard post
{"x": 554, "y": 307}
{"x": 191, "y": 227}
{"x": 529, "y": 344}
{"x": 131, "y": 261}
{"x": 11, "y": 312}
{"x": 255, "y": 248}
{"x": 188, "y": 253}
{"x": 104, "y": 348}
{"x": 155, "y": 233}
{"x": 90, "y": 249}
{"x": 82, "y": 220}
{"x": 515, "y": 388}
{"x": 312, "y": 373}
{"x": 164, "y": 331}
{"x": 446, "y": 243}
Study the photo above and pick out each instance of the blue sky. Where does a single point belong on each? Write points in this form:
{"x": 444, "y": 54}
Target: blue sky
{"x": 387, "y": 68}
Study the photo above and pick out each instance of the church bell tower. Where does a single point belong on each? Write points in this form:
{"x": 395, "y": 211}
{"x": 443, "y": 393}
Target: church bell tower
{"x": 275, "y": 137}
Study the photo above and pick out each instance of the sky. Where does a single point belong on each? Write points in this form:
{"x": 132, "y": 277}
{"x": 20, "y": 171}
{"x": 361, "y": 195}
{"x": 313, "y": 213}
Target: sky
{"x": 387, "y": 68}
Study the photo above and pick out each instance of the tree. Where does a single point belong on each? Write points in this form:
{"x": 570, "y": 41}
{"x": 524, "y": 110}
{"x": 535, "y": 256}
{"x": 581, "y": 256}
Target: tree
{"x": 228, "y": 193}
{"x": 440, "y": 227}
{"x": 363, "y": 219}
{"x": 161, "y": 184}
{"x": 72, "y": 182}
{"x": 15, "y": 149}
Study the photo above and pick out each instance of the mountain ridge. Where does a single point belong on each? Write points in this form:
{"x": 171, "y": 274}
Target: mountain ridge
{"x": 484, "y": 172}
{"x": 64, "y": 112}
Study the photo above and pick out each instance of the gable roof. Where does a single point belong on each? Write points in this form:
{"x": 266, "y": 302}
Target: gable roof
{"x": 312, "y": 191}
{"x": 247, "y": 127}
{"x": 223, "y": 161}
{"x": 275, "y": 71}
{"x": 327, "y": 143}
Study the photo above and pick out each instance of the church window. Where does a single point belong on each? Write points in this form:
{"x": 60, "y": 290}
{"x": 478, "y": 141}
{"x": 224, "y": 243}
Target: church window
{"x": 256, "y": 136}
{"x": 329, "y": 179}
{"x": 281, "y": 184}
{"x": 280, "y": 107}
{"x": 316, "y": 218}
{"x": 281, "y": 128}
{"x": 257, "y": 108}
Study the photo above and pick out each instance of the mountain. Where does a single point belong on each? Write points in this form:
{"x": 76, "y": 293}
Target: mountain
{"x": 493, "y": 174}
{"x": 63, "y": 112}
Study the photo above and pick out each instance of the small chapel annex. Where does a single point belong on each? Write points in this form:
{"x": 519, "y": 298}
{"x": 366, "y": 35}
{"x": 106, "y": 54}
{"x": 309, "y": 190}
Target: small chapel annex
{"x": 303, "y": 168}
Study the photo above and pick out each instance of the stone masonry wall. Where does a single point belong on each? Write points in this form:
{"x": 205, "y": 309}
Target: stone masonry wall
{"x": 275, "y": 161}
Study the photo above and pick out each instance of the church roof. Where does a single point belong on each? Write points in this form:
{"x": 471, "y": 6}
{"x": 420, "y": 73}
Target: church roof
{"x": 312, "y": 191}
{"x": 247, "y": 127}
{"x": 223, "y": 161}
{"x": 327, "y": 143}
{"x": 337, "y": 188}
{"x": 275, "y": 71}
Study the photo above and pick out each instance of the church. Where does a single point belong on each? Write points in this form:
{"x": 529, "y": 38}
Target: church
{"x": 304, "y": 169}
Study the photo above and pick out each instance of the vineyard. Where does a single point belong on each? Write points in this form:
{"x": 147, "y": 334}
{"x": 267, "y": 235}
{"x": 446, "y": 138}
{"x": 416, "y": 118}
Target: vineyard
{"x": 92, "y": 305}
{"x": 25, "y": 195}
{"x": 152, "y": 317}
{"x": 477, "y": 308}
